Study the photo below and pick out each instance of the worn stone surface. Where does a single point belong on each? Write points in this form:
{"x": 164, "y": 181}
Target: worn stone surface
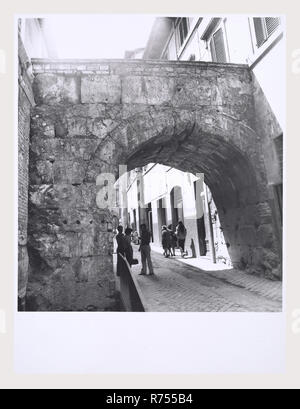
{"x": 100, "y": 88}
{"x": 51, "y": 88}
{"x": 92, "y": 117}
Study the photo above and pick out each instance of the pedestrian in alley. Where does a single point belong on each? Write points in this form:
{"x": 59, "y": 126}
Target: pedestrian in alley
{"x": 166, "y": 241}
{"x": 181, "y": 234}
{"x": 173, "y": 243}
{"x": 120, "y": 238}
{"x": 145, "y": 250}
{"x": 128, "y": 247}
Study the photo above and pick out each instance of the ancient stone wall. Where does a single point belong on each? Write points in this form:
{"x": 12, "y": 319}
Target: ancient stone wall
{"x": 92, "y": 116}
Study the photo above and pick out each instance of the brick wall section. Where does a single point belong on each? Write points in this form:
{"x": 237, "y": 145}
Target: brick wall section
{"x": 25, "y": 104}
{"x": 23, "y": 139}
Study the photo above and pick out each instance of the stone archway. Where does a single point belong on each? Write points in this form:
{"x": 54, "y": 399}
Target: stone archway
{"x": 233, "y": 180}
{"x": 91, "y": 118}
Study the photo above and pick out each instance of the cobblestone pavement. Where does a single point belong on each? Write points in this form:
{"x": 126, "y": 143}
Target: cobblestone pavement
{"x": 177, "y": 286}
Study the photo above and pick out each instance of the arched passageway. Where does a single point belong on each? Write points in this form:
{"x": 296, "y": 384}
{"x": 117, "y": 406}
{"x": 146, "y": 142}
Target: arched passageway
{"x": 230, "y": 177}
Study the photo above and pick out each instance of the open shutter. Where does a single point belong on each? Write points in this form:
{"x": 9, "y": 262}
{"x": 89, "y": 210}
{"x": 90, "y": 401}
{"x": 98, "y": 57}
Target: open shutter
{"x": 220, "y": 46}
{"x": 185, "y": 27}
{"x": 259, "y": 31}
{"x": 271, "y": 24}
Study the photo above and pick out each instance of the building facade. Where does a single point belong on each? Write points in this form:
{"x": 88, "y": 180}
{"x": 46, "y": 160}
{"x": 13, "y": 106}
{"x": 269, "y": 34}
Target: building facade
{"x": 158, "y": 195}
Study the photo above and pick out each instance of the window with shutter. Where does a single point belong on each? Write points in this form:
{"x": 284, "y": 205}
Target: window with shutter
{"x": 259, "y": 31}
{"x": 264, "y": 28}
{"x": 271, "y": 24}
{"x": 182, "y": 30}
{"x": 217, "y": 46}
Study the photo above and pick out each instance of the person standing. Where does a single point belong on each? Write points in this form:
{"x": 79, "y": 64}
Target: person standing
{"x": 146, "y": 251}
{"x": 135, "y": 236}
{"x": 173, "y": 243}
{"x": 166, "y": 241}
{"x": 120, "y": 238}
{"x": 181, "y": 234}
{"x": 128, "y": 247}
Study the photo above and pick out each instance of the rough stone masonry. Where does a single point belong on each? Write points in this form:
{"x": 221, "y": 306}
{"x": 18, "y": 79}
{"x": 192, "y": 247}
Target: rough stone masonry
{"x": 92, "y": 116}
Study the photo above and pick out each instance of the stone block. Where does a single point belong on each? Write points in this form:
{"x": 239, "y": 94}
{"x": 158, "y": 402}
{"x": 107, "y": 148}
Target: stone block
{"x": 192, "y": 91}
{"x": 98, "y": 110}
{"x": 41, "y": 172}
{"x": 166, "y": 90}
{"x": 266, "y": 236}
{"x": 76, "y": 125}
{"x": 108, "y": 152}
{"x": 43, "y": 196}
{"x": 42, "y": 125}
{"x": 247, "y": 235}
{"x": 72, "y": 172}
{"x": 99, "y": 127}
{"x": 86, "y": 245}
{"x": 147, "y": 90}
{"x": 264, "y": 212}
{"x": 69, "y": 196}
{"x": 89, "y": 193}
{"x": 48, "y": 149}
{"x": 51, "y": 89}
{"x": 100, "y": 89}
{"x": 81, "y": 149}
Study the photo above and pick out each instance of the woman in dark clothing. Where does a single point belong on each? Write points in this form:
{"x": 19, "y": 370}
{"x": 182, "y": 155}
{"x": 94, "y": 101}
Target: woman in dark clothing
{"x": 173, "y": 241}
{"x": 121, "y": 249}
{"x": 128, "y": 248}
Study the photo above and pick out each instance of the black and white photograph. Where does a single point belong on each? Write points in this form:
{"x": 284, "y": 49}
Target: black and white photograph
{"x": 150, "y": 163}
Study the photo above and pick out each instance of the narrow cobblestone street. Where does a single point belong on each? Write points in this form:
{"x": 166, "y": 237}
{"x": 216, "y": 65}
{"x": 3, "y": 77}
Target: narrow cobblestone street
{"x": 178, "y": 286}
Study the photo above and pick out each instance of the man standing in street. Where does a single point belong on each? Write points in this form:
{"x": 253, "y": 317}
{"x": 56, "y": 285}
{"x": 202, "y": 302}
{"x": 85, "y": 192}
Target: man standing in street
{"x": 146, "y": 251}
